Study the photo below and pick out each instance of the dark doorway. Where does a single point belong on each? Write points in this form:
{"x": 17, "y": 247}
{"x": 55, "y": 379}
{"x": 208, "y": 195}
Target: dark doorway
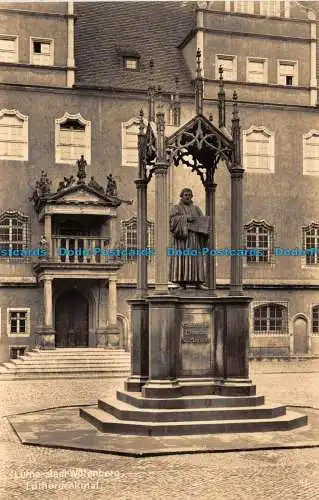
{"x": 71, "y": 320}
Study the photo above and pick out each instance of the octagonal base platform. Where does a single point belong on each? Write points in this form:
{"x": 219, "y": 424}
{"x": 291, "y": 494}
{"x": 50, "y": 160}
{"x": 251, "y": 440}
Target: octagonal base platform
{"x": 64, "y": 428}
{"x": 201, "y": 413}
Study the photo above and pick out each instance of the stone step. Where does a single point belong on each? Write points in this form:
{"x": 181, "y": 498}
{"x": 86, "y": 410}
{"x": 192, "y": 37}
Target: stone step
{"x": 72, "y": 350}
{"x": 63, "y": 375}
{"x": 209, "y": 401}
{"x": 65, "y": 369}
{"x": 41, "y": 362}
{"x": 54, "y": 354}
{"x": 124, "y": 411}
{"x": 105, "y": 422}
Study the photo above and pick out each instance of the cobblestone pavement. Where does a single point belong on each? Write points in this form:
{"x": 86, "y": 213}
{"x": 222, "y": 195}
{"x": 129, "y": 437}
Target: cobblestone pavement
{"x": 31, "y": 472}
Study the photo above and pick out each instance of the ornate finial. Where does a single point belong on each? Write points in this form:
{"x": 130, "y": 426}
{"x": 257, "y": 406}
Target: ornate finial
{"x": 221, "y": 71}
{"x": 159, "y": 96}
{"x": 151, "y": 93}
{"x": 199, "y": 86}
{"x": 198, "y": 62}
{"x": 82, "y": 164}
{"x": 141, "y": 122}
{"x": 175, "y": 104}
{"x": 236, "y": 131}
{"x": 235, "y": 106}
{"x": 221, "y": 99}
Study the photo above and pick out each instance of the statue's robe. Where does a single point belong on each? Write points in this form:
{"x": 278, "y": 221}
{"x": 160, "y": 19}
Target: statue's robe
{"x": 187, "y": 269}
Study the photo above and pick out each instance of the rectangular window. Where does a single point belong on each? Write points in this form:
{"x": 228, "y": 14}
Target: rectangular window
{"x": 8, "y": 48}
{"x": 258, "y": 150}
{"x": 13, "y": 138}
{"x": 256, "y": 70}
{"x": 311, "y": 153}
{"x": 287, "y": 73}
{"x": 130, "y": 63}
{"x": 42, "y": 52}
{"x": 311, "y": 243}
{"x": 259, "y": 237}
{"x": 270, "y": 8}
{"x": 18, "y": 322}
{"x": 72, "y": 139}
{"x": 229, "y": 65}
{"x": 244, "y": 6}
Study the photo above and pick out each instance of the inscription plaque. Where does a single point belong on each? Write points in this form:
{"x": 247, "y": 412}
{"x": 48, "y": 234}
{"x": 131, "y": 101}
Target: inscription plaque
{"x": 195, "y": 333}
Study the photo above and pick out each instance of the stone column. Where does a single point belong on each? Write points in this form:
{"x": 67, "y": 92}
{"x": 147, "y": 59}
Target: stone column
{"x": 101, "y": 331}
{"x": 47, "y": 337}
{"x": 210, "y": 189}
{"x": 236, "y": 271}
{"x": 48, "y": 233}
{"x": 112, "y": 234}
{"x": 161, "y": 228}
{"x": 112, "y": 330}
{"x": 47, "y": 287}
{"x": 141, "y": 187}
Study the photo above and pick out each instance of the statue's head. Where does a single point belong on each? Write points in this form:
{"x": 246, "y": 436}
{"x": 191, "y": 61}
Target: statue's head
{"x": 186, "y": 196}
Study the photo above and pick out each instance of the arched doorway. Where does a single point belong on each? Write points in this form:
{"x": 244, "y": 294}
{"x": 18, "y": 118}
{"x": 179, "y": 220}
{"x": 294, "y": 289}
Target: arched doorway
{"x": 71, "y": 319}
{"x": 300, "y": 335}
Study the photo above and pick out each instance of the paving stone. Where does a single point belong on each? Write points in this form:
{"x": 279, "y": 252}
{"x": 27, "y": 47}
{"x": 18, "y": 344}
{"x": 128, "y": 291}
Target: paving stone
{"x": 257, "y": 475}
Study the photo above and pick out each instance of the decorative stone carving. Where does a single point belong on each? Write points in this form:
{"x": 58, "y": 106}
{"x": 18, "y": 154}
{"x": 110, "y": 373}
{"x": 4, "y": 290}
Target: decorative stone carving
{"x": 95, "y": 185}
{"x": 81, "y": 164}
{"x": 111, "y": 188}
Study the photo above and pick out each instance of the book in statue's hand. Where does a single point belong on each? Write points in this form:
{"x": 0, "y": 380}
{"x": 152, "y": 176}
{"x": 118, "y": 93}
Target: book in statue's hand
{"x": 200, "y": 225}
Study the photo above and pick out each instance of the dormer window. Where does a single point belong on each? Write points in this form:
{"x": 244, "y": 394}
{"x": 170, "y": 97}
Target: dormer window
{"x": 130, "y": 58}
{"x": 130, "y": 63}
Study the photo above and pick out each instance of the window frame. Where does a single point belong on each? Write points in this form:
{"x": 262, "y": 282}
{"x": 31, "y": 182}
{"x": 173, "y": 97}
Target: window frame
{"x": 263, "y": 60}
{"x": 251, "y": 4}
{"x": 313, "y": 308}
{"x": 272, "y": 333}
{"x": 305, "y": 259}
{"x": 50, "y": 42}
{"x": 14, "y": 38}
{"x": 27, "y": 321}
{"x": 25, "y": 135}
{"x": 265, "y": 7}
{"x": 271, "y": 155}
{"x": 226, "y": 57}
{"x": 130, "y": 59}
{"x": 285, "y": 62}
{"x": 305, "y": 137}
{"x": 270, "y": 248}
{"x": 150, "y": 236}
{"x": 87, "y": 138}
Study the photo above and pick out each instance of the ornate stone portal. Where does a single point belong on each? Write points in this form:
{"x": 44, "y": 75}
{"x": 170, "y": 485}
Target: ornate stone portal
{"x": 189, "y": 347}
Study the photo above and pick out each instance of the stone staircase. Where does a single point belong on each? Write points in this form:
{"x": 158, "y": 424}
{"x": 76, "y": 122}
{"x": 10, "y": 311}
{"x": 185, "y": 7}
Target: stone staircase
{"x": 131, "y": 413}
{"x": 68, "y": 363}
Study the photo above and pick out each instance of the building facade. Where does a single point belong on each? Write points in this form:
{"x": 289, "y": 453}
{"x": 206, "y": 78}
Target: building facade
{"x": 73, "y": 81}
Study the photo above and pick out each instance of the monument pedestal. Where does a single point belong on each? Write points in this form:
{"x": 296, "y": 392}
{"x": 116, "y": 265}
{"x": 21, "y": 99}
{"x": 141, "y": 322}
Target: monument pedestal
{"x": 197, "y": 379}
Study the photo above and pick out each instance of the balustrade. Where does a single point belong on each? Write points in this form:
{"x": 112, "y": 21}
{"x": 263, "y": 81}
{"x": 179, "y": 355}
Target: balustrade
{"x": 81, "y": 250}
